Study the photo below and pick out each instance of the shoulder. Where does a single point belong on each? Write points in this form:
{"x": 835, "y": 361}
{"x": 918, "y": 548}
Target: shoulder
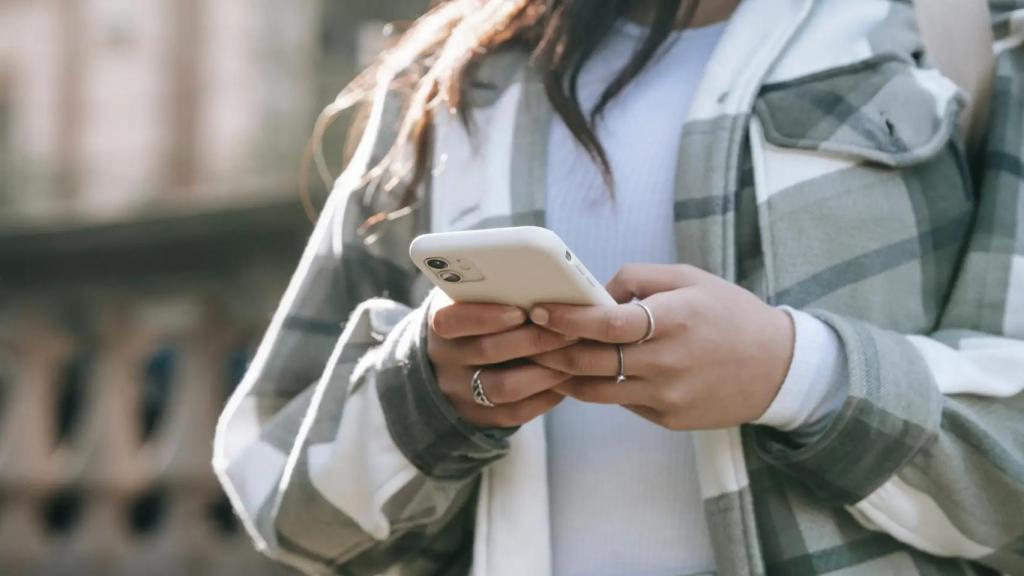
{"x": 839, "y": 33}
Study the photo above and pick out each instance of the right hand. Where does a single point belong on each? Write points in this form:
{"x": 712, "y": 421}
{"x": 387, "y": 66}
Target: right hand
{"x": 465, "y": 337}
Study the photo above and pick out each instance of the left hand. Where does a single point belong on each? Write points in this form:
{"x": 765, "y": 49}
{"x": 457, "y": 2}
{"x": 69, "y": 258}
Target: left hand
{"x": 717, "y": 358}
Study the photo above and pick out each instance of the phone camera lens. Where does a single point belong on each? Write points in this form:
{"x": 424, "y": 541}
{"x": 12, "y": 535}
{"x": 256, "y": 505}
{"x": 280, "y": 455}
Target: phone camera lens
{"x": 452, "y": 277}
{"x": 437, "y": 263}
{"x": 568, "y": 256}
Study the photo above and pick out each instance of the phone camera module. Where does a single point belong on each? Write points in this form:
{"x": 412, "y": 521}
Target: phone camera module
{"x": 452, "y": 277}
{"x": 437, "y": 263}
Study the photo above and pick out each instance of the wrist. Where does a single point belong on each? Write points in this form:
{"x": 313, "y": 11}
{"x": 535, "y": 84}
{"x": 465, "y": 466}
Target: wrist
{"x": 814, "y": 386}
{"x": 422, "y": 420}
{"x": 782, "y": 338}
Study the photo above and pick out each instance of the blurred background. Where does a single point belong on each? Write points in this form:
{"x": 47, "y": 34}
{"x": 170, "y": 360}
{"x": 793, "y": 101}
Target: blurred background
{"x": 149, "y": 221}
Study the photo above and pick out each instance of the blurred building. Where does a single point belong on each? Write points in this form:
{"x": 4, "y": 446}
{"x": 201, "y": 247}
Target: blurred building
{"x": 149, "y": 220}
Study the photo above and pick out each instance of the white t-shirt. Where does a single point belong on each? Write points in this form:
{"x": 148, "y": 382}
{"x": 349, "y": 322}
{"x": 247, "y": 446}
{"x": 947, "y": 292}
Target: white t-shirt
{"x": 624, "y": 492}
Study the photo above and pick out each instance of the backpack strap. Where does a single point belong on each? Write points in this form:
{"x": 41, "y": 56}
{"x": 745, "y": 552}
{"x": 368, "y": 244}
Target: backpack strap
{"x": 958, "y": 37}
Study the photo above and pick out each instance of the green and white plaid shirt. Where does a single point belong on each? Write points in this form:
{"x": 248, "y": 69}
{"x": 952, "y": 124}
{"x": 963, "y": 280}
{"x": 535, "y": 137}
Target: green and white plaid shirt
{"x": 821, "y": 169}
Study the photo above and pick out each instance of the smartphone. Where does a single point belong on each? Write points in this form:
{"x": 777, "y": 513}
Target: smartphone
{"x": 519, "y": 266}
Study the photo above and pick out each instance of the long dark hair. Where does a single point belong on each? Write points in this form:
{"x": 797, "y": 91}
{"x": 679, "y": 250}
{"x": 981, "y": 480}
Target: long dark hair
{"x": 432, "y": 59}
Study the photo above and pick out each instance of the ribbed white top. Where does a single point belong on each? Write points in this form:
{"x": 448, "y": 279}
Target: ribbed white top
{"x": 624, "y": 492}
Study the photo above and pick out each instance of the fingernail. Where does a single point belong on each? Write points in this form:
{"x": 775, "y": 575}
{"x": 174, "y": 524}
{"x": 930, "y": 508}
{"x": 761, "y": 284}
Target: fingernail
{"x": 569, "y": 338}
{"x": 539, "y": 316}
{"x": 513, "y": 317}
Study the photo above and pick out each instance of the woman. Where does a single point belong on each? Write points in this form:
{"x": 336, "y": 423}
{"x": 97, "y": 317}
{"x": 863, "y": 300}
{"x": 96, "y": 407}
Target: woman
{"x": 832, "y": 382}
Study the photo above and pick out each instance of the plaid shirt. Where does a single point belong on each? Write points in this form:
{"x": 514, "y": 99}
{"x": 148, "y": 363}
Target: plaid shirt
{"x": 821, "y": 169}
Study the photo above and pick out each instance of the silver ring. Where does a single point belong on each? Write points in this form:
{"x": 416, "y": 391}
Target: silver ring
{"x": 479, "y": 396}
{"x": 622, "y": 365}
{"x": 650, "y": 322}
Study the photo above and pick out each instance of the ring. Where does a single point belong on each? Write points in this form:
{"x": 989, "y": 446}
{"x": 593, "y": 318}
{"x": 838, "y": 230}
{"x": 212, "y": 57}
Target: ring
{"x": 622, "y": 365}
{"x": 650, "y": 322}
{"x": 479, "y": 396}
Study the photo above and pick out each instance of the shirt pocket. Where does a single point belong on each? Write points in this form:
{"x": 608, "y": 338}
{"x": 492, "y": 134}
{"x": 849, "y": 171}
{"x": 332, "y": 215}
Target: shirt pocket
{"x": 863, "y": 200}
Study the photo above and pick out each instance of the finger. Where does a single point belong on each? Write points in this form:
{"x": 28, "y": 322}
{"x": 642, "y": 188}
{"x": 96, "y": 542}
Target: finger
{"x": 521, "y": 342}
{"x": 497, "y": 348}
{"x": 587, "y": 359}
{"x": 645, "y": 412}
{"x": 508, "y": 385}
{"x": 632, "y": 392}
{"x": 459, "y": 320}
{"x": 643, "y": 280}
{"x": 620, "y": 324}
{"x": 522, "y": 412}
{"x": 511, "y": 415}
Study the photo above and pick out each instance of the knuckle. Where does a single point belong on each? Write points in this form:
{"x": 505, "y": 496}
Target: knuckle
{"x": 626, "y": 278}
{"x": 538, "y": 340}
{"x": 496, "y": 386}
{"x": 483, "y": 349}
{"x": 698, "y": 301}
{"x": 575, "y": 363}
{"x": 627, "y": 272}
{"x": 679, "y": 315}
{"x": 621, "y": 277}
{"x": 446, "y": 388}
{"x": 526, "y": 341}
{"x": 658, "y": 366}
{"x": 614, "y": 324}
{"x": 441, "y": 322}
{"x": 665, "y": 363}
{"x": 433, "y": 351}
{"x": 452, "y": 388}
{"x": 672, "y": 396}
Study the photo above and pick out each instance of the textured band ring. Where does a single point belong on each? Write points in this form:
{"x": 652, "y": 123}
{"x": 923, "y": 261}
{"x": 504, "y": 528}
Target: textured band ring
{"x": 622, "y": 365}
{"x": 479, "y": 396}
{"x": 650, "y": 322}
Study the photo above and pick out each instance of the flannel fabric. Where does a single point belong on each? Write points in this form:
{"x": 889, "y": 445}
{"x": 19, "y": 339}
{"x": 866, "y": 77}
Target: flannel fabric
{"x": 821, "y": 169}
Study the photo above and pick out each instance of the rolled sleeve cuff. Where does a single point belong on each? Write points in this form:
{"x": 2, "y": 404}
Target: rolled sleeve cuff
{"x": 891, "y": 411}
{"x": 422, "y": 421}
{"x": 815, "y": 385}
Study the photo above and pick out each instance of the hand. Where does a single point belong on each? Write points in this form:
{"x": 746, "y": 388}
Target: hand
{"x": 464, "y": 337}
{"x": 717, "y": 359}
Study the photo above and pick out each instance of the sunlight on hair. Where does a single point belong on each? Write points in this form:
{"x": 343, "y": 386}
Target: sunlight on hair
{"x": 427, "y": 70}
{"x": 426, "y": 65}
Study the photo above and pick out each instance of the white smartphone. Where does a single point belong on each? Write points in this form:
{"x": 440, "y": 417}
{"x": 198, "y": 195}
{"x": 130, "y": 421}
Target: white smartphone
{"x": 519, "y": 266}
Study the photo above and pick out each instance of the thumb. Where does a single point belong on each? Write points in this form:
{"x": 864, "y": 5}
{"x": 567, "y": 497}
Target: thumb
{"x": 643, "y": 280}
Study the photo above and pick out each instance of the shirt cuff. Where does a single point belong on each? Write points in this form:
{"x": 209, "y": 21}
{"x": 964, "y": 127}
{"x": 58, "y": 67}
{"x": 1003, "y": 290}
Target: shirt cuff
{"x": 815, "y": 385}
{"x": 422, "y": 421}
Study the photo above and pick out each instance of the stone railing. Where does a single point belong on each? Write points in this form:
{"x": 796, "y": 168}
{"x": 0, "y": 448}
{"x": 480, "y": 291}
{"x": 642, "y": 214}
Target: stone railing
{"x": 110, "y": 386}
{"x": 106, "y": 445}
